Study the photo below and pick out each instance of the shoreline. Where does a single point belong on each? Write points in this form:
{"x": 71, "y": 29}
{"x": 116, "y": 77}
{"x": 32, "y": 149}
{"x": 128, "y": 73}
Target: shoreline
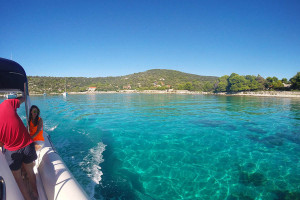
{"x": 256, "y": 94}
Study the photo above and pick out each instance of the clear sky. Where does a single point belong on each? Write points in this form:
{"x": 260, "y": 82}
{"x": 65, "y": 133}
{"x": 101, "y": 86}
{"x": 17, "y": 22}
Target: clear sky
{"x": 112, "y": 38}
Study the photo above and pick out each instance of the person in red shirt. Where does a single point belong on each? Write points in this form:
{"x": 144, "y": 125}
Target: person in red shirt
{"x": 18, "y": 145}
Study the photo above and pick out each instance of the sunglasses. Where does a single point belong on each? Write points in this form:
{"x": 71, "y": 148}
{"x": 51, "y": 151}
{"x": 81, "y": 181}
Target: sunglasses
{"x": 35, "y": 111}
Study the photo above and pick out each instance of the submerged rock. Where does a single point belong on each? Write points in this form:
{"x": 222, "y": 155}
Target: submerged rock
{"x": 257, "y": 179}
{"x": 257, "y": 130}
{"x": 240, "y": 196}
{"x": 255, "y": 138}
{"x": 272, "y": 141}
{"x": 292, "y": 137}
{"x": 286, "y": 195}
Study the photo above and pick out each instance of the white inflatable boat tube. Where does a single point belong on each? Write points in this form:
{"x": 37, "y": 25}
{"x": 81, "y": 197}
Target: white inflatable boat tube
{"x": 12, "y": 190}
{"x": 58, "y": 182}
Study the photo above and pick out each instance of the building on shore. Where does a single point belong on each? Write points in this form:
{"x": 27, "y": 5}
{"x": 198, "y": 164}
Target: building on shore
{"x": 92, "y": 89}
{"x": 127, "y": 87}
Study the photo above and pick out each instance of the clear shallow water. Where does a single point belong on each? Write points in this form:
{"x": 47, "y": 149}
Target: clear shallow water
{"x": 149, "y": 146}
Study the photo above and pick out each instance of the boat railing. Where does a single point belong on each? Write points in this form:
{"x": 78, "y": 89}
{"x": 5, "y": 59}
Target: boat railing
{"x": 50, "y": 141}
{"x": 2, "y": 189}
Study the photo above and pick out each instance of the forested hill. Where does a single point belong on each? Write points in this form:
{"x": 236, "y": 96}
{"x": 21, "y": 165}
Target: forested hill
{"x": 160, "y": 79}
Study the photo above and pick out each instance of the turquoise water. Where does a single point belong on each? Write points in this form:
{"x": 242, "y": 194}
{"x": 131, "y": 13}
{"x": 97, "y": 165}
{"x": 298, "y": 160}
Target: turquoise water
{"x": 160, "y": 146}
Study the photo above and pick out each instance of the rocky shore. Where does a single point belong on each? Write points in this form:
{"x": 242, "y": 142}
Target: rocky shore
{"x": 258, "y": 93}
{"x": 264, "y": 94}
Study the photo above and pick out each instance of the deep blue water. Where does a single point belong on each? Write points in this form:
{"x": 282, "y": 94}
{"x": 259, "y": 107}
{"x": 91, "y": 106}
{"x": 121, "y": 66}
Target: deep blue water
{"x": 161, "y": 146}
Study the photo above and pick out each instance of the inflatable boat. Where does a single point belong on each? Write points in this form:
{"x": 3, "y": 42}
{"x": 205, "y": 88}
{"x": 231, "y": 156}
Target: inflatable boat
{"x": 54, "y": 180}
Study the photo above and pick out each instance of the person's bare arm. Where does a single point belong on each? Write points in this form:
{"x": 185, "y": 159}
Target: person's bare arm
{"x": 21, "y": 99}
{"x": 1, "y": 146}
{"x": 39, "y": 128}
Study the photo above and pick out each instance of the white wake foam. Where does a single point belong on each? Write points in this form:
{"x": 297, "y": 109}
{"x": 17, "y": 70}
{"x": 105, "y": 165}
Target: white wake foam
{"x": 49, "y": 126}
{"x": 52, "y": 128}
{"x": 91, "y": 164}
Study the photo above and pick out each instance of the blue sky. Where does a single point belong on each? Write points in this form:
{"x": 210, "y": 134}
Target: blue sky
{"x": 113, "y": 38}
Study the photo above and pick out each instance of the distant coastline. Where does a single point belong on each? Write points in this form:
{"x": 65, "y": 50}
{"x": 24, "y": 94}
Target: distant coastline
{"x": 167, "y": 81}
{"x": 245, "y": 93}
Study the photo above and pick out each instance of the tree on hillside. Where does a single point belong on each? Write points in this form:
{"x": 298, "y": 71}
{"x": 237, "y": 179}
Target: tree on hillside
{"x": 285, "y": 81}
{"x": 208, "y": 86}
{"x": 252, "y": 82}
{"x": 188, "y": 86}
{"x": 184, "y": 86}
{"x": 295, "y": 81}
{"x": 261, "y": 82}
{"x": 197, "y": 86}
{"x": 222, "y": 84}
{"x": 238, "y": 83}
{"x": 273, "y": 83}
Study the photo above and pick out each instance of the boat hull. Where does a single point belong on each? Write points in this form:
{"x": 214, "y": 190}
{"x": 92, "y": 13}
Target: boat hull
{"x": 54, "y": 180}
{"x": 12, "y": 189}
{"x": 58, "y": 182}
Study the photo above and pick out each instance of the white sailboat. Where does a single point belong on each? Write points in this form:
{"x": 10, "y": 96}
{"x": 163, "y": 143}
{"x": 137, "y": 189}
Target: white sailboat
{"x": 54, "y": 180}
{"x": 65, "y": 93}
{"x": 45, "y": 94}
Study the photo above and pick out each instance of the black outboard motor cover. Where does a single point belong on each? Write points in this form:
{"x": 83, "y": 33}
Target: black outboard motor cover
{"x": 12, "y": 76}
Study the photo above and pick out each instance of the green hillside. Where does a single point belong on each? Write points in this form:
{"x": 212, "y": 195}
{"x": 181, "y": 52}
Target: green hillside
{"x": 159, "y": 79}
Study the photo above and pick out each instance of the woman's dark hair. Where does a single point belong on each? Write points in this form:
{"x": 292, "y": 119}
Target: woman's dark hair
{"x": 35, "y": 122}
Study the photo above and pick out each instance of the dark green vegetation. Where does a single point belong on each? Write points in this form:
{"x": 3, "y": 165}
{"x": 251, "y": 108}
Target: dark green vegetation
{"x": 237, "y": 83}
{"x": 296, "y": 81}
{"x": 156, "y": 79}
{"x": 162, "y": 79}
